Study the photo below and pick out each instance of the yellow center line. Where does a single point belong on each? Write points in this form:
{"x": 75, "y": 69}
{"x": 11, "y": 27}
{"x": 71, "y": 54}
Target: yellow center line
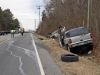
{"x": 5, "y": 40}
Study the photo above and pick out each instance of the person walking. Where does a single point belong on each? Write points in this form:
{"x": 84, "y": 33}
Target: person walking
{"x": 12, "y": 33}
{"x": 22, "y": 31}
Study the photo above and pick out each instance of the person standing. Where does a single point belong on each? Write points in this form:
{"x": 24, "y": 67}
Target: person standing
{"x": 12, "y": 33}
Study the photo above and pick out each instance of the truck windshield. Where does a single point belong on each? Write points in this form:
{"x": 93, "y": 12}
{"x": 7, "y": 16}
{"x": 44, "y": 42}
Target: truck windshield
{"x": 78, "y": 31}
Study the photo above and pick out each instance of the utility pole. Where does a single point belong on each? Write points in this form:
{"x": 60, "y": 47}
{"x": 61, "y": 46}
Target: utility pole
{"x": 39, "y": 7}
{"x": 35, "y": 23}
{"x": 89, "y": 17}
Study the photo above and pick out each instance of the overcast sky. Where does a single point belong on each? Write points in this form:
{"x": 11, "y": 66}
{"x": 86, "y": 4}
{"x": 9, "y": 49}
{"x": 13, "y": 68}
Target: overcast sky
{"x": 24, "y": 10}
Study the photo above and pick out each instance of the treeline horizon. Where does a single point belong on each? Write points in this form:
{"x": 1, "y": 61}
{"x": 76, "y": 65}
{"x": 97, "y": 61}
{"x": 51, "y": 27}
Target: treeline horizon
{"x": 7, "y": 20}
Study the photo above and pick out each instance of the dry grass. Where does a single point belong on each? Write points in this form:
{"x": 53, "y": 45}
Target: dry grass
{"x": 87, "y": 64}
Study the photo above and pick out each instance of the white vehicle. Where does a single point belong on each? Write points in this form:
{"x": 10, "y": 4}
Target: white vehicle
{"x": 78, "y": 40}
{"x": 56, "y": 33}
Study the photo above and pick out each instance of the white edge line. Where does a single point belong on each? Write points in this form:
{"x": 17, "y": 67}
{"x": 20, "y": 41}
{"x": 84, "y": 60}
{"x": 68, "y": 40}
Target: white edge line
{"x": 38, "y": 58}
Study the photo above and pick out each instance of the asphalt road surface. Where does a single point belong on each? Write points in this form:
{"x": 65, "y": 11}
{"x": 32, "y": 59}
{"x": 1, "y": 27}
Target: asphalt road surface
{"x": 25, "y": 55}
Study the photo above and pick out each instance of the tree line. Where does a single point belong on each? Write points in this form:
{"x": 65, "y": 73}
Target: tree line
{"x": 71, "y": 14}
{"x": 7, "y": 20}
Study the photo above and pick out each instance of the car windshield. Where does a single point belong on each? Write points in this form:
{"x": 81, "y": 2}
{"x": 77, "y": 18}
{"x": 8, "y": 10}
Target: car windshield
{"x": 78, "y": 31}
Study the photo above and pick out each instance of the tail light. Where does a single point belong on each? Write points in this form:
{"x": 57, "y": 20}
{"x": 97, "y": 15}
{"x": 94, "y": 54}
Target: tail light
{"x": 70, "y": 41}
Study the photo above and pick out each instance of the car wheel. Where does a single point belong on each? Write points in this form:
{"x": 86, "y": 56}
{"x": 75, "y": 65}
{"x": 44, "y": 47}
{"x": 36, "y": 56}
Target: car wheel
{"x": 69, "y": 57}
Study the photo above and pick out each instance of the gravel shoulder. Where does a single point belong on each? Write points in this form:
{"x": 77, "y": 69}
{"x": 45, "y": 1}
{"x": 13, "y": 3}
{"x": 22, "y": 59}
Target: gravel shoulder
{"x": 87, "y": 64}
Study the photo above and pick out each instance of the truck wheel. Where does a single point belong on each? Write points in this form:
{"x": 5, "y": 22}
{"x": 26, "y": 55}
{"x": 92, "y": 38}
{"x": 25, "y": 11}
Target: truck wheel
{"x": 90, "y": 47}
{"x": 69, "y": 57}
{"x": 69, "y": 49}
{"x": 61, "y": 42}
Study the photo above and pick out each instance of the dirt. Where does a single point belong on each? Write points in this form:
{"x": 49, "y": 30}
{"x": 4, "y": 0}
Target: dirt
{"x": 87, "y": 64}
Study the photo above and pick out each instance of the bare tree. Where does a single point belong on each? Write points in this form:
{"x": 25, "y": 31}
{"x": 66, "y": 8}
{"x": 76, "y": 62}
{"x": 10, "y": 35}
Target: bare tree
{"x": 71, "y": 14}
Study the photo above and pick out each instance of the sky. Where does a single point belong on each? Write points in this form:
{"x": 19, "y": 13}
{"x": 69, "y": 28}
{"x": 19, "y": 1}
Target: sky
{"x": 26, "y": 11}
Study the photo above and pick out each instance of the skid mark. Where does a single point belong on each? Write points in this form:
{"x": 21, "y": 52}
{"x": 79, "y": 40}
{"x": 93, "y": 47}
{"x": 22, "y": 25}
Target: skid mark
{"x": 31, "y": 54}
{"x": 20, "y": 67}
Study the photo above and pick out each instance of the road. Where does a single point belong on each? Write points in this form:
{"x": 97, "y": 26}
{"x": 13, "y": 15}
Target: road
{"x": 25, "y": 55}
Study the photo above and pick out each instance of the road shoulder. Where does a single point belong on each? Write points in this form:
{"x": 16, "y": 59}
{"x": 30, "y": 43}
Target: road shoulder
{"x": 49, "y": 65}
{"x": 83, "y": 67}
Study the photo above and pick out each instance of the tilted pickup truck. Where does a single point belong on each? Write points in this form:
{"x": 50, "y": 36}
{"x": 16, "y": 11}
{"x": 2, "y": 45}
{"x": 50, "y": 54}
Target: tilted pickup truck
{"x": 77, "y": 40}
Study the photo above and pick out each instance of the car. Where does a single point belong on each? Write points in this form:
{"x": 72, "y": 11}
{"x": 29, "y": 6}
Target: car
{"x": 56, "y": 33}
{"x": 77, "y": 40}
{"x": 4, "y": 32}
{"x": 16, "y": 31}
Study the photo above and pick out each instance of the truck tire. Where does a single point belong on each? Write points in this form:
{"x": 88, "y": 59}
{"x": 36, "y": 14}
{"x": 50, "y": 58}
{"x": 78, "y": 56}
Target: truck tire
{"x": 69, "y": 49}
{"x": 69, "y": 57}
{"x": 61, "y": 42}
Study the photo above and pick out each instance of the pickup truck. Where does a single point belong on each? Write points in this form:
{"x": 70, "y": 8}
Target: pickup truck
{"x": 77, "y": 40}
